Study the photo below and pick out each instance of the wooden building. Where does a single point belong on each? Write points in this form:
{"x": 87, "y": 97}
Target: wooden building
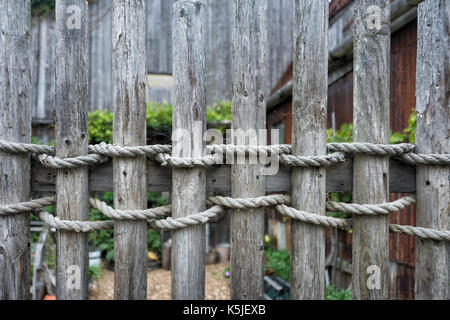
{"x": 340, "y": 109}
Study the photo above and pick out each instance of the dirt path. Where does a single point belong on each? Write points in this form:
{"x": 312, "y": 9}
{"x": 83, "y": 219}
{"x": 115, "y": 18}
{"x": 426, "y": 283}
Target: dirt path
{"x": 158, "y": 284}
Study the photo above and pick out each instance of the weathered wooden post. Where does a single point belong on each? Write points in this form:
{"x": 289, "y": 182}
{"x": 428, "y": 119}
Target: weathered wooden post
{"x": 130, "y": 182}
{"x": 309, "y": 138}
{"x": 15, "y": 126}
{"x": 72, "y": 139}
{"x": 432, "y": 136}
{"x": 248, "y": 111}
{"x": 189, "y": 123}
{"x": 371, "y": 124}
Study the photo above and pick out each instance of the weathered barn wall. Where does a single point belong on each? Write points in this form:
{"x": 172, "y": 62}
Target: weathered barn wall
{"x": 159, "y": 52}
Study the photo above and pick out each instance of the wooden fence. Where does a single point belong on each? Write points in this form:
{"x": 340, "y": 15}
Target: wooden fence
{"x": 307, "y": 171}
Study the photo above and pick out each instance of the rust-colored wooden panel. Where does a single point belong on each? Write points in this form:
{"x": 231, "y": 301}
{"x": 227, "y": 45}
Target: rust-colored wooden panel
{"x": 403, "y": 81}
{"x": 402, "y": 247}
{"x": 403, "y": 75}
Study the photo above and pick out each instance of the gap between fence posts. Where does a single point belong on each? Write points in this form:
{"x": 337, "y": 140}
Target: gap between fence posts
{"x": 432, "y": 136}
{"x": 309, "y": 138}
{"x": 370, "y": 249}
{"x": 129, "y": 174}
{"x": 15, "y": 126}
{"x": 189, "y": 124}
{"x": 248, "y": 111}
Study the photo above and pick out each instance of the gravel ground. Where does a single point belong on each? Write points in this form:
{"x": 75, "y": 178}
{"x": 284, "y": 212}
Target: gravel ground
{"x": 158, "y": 284}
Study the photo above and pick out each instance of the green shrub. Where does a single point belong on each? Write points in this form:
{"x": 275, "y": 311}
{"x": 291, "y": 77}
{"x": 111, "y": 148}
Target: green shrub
{"x": 100, "y": 126}
{"x": 94, "y": 272}
{"x": 41, "y": 7}
{"x": 159, "y": 117}
{"x": 331, "y": 293}
{"x": 279, "y": 262}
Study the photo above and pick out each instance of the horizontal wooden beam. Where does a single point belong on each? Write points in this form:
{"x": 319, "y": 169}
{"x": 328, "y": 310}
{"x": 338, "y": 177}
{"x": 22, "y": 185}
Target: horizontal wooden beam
{"x": 218, "y": 178}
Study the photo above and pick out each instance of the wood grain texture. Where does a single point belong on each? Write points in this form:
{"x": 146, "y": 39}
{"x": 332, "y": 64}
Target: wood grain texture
{"x": 309, "y": 138}
{"x": 72, "y": 139}
{"x": 15, "y": 125}
{"x": 371, "y": 124}
{"x": 129, "y": 80}
{"x": 189, "y": 123}
{"x": 248, "y": 111}
{"x": 433, "y": 136}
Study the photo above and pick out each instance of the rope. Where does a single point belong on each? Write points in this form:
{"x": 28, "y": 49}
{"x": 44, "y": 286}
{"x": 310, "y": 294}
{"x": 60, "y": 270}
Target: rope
{"x": 219, "y": 205}
{"x": 28, "y": 206}
{"x": 249, "y": 203}
{"x": 110, "y": 150}
{"x": 178, "y": 162}
{"x": 344, "y": 224}
{"x": 313, "y": 161}
{"x": 426, "y": 159}
{"x": 72, "y": 225}
{"x": 372, "y": 149}
{"x": 371, "y": 209}
{"x": 70, "y": 163}
{"x": 99, "y": 153}
{"x": 14, "y": 147}
{"x": 129, "y": 214}
{"x": 248, "y": 150}
{"x": 191, "y": 220}
{"x": 423, "y": 233}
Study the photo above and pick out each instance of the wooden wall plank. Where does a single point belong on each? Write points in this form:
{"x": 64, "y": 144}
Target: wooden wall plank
{"x": 432, "y": 136}
{"x": 15, "y": 125}
{"x": 370, "y": 251}
{"x": 248, "y": 112}
{"x": 309, "y": 138}
{"x": 72, "y": 139}
{"x": 189, "y": 124}
{"x": 129, "y": 80}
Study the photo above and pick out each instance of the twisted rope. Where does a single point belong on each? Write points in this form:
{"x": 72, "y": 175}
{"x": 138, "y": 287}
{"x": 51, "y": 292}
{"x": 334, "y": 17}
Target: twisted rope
{"x": 110, "y": 150}
{"x": 248, "y": 203}
{"x": 312, "y": 161}
{"x": 220, "y": 204}
{"x": 70, "y": 163}
{"x": 242, "y": 150}
{"x": 100, "y": 152}
{"x": 426, "y": 159}
{"x": 178, "y": 162}
{"x": 129, "y": 214}
{"x": 14, "y": 147}
{"x": 371, "y": 209}
{"x": 423, "y": 233}
{"x": 372, "y": 149}
{"x": 344, "y": 224}
{"x": 73, "y": 225}
{"x": 28, "y": 206}
{"x": 191, "y": 220}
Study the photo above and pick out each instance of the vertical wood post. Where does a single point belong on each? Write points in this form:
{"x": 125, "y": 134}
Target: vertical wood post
{"x": 130, "y": 182}
{"x": 432, "y": 136}
{"x": 309, "y": 138}
{"x": 15, "y": 126}
{"x": 371, "y": 124}
{"x": 248, "y": 110}
{"x": 189, "y": 123}
{"x": 72, "y": 139}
